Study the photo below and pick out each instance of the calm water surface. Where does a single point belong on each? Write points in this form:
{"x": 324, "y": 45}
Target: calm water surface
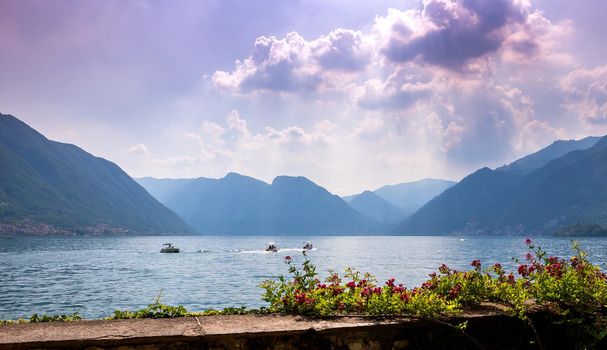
{"x": 95, "y": 276}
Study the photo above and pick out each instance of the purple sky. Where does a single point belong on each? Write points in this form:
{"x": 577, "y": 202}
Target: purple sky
{"x": 351, "y": 95}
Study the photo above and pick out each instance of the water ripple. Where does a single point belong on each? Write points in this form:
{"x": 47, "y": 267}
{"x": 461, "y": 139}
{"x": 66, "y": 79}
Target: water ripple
{"x": 95, "y": 275}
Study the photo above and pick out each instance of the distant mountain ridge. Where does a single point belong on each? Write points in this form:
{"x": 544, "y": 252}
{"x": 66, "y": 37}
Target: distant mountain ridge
{"x": 48, "y": 187}
{"x": 374, "y": 206}
{"x": 238, "y": 204}
{"x": 559, "y": 185}
{"x": 404, "y": 198}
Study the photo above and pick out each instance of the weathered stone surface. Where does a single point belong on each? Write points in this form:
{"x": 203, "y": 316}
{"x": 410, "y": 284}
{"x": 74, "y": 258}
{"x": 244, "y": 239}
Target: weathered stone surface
{"x": 487, "y": 329}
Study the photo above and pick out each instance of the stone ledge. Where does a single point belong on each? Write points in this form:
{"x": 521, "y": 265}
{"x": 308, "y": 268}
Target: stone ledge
{"x": 487, "y": 327}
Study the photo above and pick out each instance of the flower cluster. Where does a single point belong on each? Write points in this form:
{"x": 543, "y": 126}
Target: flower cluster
{"x": 572, "y": 287}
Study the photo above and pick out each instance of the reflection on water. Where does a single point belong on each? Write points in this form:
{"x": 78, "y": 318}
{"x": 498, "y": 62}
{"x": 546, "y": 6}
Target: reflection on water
{"x": 94, "y": 275}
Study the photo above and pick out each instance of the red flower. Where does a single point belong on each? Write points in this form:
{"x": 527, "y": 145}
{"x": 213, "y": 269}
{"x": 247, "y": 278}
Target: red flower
{"x": 427, "y": 285}
{"x": 405, "y": 297}
{"x": 288, "y": 259}
{"x": 365, "y": 292}
{"x": 476, "y": 263}
{"x": 398, "y": 289}
{"x": 377, "y": 290}
{"x": 390, "y": 282}
{"x": 555, "y": 270}
{"x": 497, "y": 267}
{"x": 351, "y": 285}
{"x": 454, "y": 292}
{"x": 523, "y": 270}
{"x": 528, "y": 241}
{"x": 511, "y": 279}
{"x": 337, "y": 290}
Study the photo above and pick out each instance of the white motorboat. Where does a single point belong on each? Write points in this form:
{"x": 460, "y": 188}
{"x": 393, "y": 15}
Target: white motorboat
{"x": 271, "y": 247}
{"x": 169, "y": 248}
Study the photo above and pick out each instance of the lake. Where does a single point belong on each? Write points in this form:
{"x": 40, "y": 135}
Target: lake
{"x": 96, "y": 275}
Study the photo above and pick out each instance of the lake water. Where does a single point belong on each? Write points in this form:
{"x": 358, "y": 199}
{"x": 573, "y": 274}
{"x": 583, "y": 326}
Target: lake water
{"x": 96, "y": 275}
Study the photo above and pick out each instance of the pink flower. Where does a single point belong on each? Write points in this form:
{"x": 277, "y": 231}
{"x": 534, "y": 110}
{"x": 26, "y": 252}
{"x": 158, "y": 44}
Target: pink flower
{"x": 529, "y": 257}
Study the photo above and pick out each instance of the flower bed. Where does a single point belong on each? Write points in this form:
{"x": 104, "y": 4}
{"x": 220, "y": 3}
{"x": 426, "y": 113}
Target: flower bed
{"x": 574, "y": 289}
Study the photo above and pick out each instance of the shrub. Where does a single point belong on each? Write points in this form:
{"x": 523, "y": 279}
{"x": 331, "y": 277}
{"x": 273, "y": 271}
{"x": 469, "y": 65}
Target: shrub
{"x": 574, "y": 289}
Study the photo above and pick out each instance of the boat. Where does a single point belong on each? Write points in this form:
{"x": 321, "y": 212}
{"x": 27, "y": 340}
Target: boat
{"x": 169, "y": 248}
{"x": 271, "y": 247}
{"x": 308, "y": 246}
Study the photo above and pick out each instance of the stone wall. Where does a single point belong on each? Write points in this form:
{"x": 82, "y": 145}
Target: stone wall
{"x": 484, "y": 331}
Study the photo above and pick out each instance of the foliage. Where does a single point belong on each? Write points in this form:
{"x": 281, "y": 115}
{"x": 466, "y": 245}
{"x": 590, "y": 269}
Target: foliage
{"x": 305, "y": 294}
{"x": 55, "y": 318}
{"x": 154, "y": 310}
{"x": 159, "y": 310}
{"x": 574, "y": 289}
{"x": 231, "y": 311}
{"x": 580, "y": 229}
{"x": 6, "y": 322}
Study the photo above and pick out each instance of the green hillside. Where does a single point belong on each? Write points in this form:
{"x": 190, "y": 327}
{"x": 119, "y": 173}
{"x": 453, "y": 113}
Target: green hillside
{"x": 46, "y": 183}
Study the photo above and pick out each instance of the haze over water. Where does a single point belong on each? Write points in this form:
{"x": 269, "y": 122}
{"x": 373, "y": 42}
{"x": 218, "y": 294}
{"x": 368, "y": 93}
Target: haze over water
{"x": 96, "y": 275}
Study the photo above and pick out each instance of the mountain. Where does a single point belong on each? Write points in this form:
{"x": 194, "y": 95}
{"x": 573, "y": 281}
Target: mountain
{"x": 559, "y": 185}
{"x": 238, "y": 204}
{"x": 51, "y": 187}
{"x": 162, "y": 189}
{"x": 407, "y": 196}
{"x": 540, "y": 158}
{"x": 410, "y": 196}
{"x": 374, "y": 206}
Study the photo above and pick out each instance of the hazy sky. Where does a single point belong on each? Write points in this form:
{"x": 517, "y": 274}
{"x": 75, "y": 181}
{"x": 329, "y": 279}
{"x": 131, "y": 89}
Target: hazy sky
{"x": 353, "y": 95}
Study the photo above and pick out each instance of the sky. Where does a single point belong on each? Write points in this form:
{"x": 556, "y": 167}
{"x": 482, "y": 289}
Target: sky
{"x": 351, "y": 94}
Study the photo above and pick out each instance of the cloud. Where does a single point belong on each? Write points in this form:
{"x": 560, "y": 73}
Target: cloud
{"x": 369, "y": 129}
{"x": 399, "y": 91}
{"x": 293, "y": 64}
{"x": 138, "y": 150}
{"x": 342, "y": 49}
{"x": 586, "y": 94}
{"x": 453, "y": 34}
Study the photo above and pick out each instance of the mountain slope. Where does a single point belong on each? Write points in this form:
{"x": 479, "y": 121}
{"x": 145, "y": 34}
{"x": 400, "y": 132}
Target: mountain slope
{"x": 220, "y": 206}
{"x": 162, "y": 189}
{"x": 537, "y": 193}
{"x": 238, "y": 204}
{"x": 372, "y": 205}
{"x": 557, "y": 149}
{"x": 44, "y": 182}
{"x": 410, "y": 196}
